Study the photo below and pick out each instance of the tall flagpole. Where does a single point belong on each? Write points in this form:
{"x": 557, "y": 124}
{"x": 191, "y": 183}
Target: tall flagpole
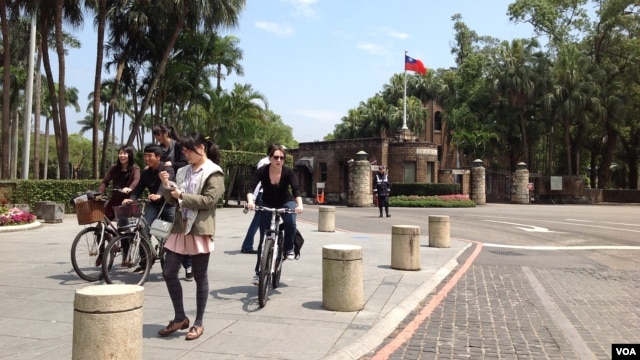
{"x": 404, "y": 101}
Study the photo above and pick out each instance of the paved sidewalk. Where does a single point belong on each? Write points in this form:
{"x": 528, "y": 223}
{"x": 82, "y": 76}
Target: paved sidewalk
{"x": 38, "y": 284}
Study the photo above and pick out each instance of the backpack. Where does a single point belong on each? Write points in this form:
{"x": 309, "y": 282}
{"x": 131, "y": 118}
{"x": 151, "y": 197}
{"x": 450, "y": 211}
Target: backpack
{"x": 298, "y": 241}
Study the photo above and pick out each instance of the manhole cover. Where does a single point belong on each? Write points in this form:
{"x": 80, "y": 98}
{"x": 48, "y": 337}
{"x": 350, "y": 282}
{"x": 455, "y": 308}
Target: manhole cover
{"x": 507, "y": 253}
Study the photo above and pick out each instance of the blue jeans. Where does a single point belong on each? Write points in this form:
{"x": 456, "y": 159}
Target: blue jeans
{"x": 168, "y": 213}
{"x": 247, "y": 244}
{"x": 289, "y": 221}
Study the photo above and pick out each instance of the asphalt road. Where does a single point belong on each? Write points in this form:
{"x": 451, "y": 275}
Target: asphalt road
{"x": 541, "y": 282}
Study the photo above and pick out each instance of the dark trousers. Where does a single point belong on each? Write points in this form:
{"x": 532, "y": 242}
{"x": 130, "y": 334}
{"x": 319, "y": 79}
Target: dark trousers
{"x": 247, "y": 244}
{"x": 289, "y": 221}
{"x": 383, "y": 201}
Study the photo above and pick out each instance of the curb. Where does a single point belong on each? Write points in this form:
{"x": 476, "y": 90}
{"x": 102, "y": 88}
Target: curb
{"x": 33, "y": 225}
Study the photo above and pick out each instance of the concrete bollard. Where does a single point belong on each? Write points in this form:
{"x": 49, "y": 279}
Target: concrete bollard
{"x": 107, "y": 322}
{"x": 327, "y": 219}
{"x": 342, "y": 278}
{"x": 439, "y": 231}
{"x": 405, "y": 247}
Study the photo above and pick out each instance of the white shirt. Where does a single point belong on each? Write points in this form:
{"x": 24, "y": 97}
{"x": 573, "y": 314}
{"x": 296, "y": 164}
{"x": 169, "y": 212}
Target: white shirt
{"x": 264, "y": 161}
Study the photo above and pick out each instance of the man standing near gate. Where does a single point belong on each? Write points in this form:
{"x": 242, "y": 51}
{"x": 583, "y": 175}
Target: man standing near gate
{"x": 382, "y": 188}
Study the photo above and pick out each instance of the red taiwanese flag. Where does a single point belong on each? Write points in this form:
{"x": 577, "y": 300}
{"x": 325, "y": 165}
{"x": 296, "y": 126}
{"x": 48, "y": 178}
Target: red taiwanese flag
{"x": 416, "y": 65}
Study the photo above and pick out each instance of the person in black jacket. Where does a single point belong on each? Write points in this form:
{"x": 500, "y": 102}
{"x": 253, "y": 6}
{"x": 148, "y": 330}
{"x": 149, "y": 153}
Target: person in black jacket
{"x": 382, "y": 188}
{"x": 150, "y": 180}
{"x": 172, "y": 155}
{"x": 279, "y": 189}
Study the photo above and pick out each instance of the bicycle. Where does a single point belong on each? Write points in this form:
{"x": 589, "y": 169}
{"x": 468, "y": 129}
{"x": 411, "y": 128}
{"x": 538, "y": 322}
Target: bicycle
{"x": 125, "y": 254}
{"x": 88, "y": 246}
{"x": 272, "y": 254}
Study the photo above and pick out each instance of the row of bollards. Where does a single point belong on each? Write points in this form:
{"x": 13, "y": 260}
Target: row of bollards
{"x": 342, "y": 274}
{"x": 107, "y": 320}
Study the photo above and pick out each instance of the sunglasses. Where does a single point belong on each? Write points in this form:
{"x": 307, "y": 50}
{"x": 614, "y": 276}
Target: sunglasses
{"x": 279, "y": 158}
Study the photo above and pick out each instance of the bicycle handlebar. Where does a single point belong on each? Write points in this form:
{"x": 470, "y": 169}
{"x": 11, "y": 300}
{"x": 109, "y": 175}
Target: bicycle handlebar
{"x": 278, "y": 210}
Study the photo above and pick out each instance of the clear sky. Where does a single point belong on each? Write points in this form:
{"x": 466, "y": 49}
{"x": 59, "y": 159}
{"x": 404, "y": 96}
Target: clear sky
{"x": 316, "y": 59}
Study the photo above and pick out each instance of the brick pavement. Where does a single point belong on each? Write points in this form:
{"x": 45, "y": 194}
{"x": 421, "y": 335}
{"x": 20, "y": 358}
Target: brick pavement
{"x": 527, "y": 312}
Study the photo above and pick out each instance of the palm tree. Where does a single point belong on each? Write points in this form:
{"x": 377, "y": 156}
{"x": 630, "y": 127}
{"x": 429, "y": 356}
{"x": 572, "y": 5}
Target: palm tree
{"x": 516, "y": 81}
{"x": 176, "y": 16}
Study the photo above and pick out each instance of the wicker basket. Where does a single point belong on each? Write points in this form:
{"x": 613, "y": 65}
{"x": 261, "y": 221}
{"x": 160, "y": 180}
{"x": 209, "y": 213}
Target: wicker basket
{"x": 89, "y": 212}
{"x": 127, "y": 215}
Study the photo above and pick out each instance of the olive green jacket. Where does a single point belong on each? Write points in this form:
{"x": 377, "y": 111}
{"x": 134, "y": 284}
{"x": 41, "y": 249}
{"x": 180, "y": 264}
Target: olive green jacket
{"x": 208, "y": 192}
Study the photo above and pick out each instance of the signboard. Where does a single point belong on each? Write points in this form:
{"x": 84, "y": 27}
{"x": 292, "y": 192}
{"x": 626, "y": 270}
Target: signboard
{"x": 556, "y": 183}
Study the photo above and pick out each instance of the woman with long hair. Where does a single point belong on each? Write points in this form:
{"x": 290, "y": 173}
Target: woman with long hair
{"x": 124, "y": 175}
{"x": 279, "y": 189}
{"x": 197, "y": 190}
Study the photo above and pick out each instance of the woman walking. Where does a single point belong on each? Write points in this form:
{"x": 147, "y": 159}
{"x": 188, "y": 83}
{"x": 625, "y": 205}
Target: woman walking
{"x": 196, "y": 192}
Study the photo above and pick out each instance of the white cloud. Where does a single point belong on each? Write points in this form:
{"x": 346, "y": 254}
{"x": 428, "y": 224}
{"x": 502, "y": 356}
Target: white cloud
{"x": 305, "y": 7}
{"x": 373, "y": 49}
{"x": 396, "y": 34}
{"x": 282, "y": 30}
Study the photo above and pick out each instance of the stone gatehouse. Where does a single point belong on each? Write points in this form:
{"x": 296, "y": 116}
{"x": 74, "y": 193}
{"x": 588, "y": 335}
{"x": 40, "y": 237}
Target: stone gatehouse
{"x": 328, "y": 163}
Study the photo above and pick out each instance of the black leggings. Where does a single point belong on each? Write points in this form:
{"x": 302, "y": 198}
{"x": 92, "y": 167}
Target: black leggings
{"x": 170, "y": 272}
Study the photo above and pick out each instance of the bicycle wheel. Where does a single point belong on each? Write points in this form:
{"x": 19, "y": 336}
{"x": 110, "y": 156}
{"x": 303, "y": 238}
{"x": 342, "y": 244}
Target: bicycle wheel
{"x": 127, "y": 260}
{"x": 265, "y": 271}
{"x": 86, "y": 253}
{"x": 275, "y": 281}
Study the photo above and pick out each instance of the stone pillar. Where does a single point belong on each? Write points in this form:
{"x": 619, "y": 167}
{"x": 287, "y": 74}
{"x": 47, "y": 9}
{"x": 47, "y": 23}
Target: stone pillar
{"x": 478, "y": 183}
{"x": 52, "y": 213}
{"x": 360, "y": 183}
{"x": 327, "y": 219}
{"x": 439, "y": 231}
{"x": 107, "y": 322}
{"x": 520, "y": 192}
{"x": 342, "y": 278}
{"x": 405, "y": 247}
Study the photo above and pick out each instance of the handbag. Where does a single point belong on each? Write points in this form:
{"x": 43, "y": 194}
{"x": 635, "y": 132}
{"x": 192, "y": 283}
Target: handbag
{"x": 160, "y": 228}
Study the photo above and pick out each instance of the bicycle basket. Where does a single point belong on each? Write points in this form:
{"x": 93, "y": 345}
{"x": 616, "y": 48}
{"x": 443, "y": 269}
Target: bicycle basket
{"x": 89, "y": 211}
{"x": 127, "y": 215}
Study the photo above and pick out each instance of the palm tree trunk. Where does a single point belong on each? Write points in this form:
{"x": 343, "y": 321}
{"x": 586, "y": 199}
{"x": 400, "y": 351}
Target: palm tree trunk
{"x": 6, "y": 93}
{"x": 63, "y": 154}
{"x": 46, "y": 149}
{"x": 97, "y": 87}
{"x": 36, "y": 118}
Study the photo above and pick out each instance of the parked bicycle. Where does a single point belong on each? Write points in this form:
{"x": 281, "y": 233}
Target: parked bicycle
{"x": 88, "y": 246}
{"x": 272, "y": 255}
{"x": 128, "y": 258}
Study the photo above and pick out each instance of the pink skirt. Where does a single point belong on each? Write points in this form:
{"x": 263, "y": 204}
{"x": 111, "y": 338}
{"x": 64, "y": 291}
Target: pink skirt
{"x": 189, "y": 244}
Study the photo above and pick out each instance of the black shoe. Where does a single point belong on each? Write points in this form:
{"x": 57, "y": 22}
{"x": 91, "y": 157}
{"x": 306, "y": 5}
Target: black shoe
{"x": 388, "y": 215}
{"x": 250, "y": 251}
{"x": 188, "y": 274}
{"x": 140, "y": 269}
{"x": 380, "y": 215}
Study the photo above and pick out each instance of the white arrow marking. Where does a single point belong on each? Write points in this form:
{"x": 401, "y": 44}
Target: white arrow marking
{"x": 529, "y": 228}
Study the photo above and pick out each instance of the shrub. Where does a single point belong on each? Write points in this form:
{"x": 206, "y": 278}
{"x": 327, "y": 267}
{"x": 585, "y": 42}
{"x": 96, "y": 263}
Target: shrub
{"x": 448, "y": 201}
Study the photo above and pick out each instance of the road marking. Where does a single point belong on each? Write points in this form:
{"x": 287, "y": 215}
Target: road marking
{"x": 529, "y": 228}
{"x": 411, "y": 328}
{"x": 604, "y": 222}
{"x": 572, "y": 334}
{"x": 562, "y": 222}
{"x": 580, "y": 247}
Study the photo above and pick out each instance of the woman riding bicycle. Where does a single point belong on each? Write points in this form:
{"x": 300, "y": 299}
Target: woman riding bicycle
{"x": 280, "y": 189}
{"x": 124, "y": 175}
